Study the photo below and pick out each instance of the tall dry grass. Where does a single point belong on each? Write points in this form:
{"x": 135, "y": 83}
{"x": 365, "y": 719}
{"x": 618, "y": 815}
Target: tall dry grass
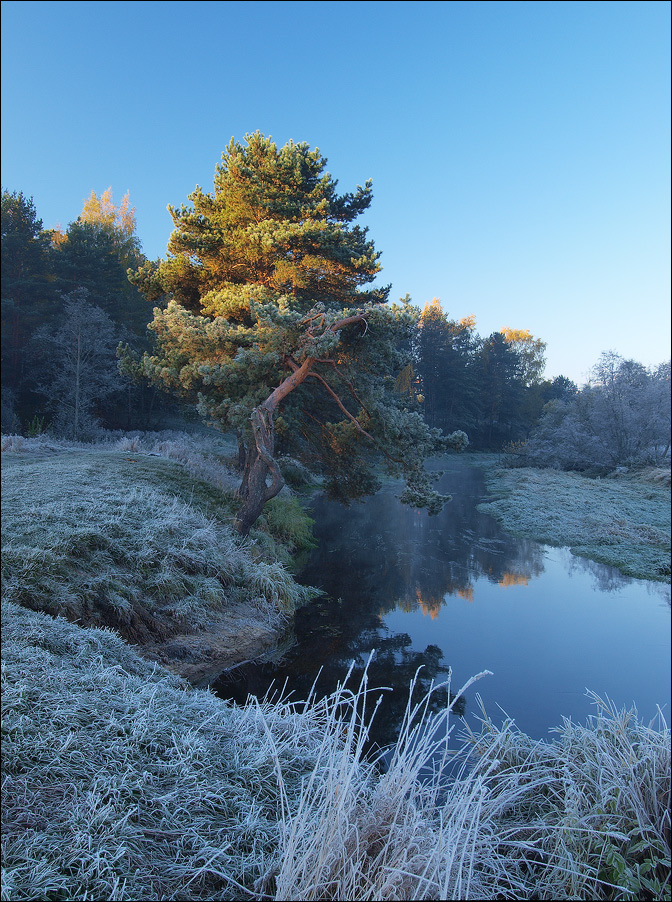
{"x": 121, "y": 782}
{"x": 586, "y": 816}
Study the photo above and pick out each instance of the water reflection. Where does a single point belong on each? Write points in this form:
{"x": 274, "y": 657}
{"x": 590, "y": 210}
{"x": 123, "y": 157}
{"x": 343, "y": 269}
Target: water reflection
{"x": 606, "y": 578}
{"x": 390, "y": 672}
{"x": 455, "y": 591}
{"x": 402, "y": 558}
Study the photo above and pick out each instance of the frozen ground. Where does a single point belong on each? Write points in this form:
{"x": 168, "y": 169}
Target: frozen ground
{"x": 623, "y": 521}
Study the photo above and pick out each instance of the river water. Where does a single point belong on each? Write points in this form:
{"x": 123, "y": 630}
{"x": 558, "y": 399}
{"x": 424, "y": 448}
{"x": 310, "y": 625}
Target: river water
{"x": 456, "y": 592}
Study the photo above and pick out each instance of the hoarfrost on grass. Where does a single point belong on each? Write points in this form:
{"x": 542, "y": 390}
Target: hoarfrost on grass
{"x": 623, "y": 522}
{"x": 98, "y": 531}
{"x": 165, "y": 792}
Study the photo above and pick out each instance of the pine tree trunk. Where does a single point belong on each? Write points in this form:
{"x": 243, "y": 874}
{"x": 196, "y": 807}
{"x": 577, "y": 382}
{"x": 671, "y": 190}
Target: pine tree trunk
{"x": 259, "y": 465}
{"x": 242, "y": 450}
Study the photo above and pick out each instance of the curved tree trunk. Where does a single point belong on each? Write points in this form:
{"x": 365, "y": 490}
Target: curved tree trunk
{"x": 260, "y": 465}
{"x": 242, "y": 450}
{"x": 255, "y": 490}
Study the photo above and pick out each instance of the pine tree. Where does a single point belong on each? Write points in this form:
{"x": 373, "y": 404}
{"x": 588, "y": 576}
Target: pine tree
{"x": 27, "y": 290}
{"x": 500, "y": 392}
{"x": 96, "y": 252}
{"x": 445, "y": 350}
{"x": 274, "y": 329}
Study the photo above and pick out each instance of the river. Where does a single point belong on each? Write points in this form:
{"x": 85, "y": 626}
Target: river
{"x": 455, "y": 591}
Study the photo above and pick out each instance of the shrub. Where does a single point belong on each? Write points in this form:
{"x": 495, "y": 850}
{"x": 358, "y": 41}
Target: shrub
{"x": 621, "y": 419}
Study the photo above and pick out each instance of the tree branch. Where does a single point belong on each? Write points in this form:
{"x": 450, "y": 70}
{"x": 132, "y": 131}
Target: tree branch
{"x": 342, "y": 406}
{"x": 345, "y": 379}
{"x": 296, "y": 368}
{"x": 298, "y": 375}
{"x": 309, "y": 320}
{"x": 360, "y": 317}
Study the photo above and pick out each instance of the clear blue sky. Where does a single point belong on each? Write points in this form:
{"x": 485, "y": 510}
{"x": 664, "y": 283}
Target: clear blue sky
{"x": 520, "y": 152}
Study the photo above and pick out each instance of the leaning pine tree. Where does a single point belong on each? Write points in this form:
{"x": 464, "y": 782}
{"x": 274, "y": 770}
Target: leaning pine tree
{"x": 270, "y": 330}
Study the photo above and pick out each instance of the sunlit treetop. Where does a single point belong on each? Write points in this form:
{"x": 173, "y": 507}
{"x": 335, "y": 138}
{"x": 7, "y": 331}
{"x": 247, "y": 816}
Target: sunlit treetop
{"x": 274, "y": 219}
{"x": 531, "y": 353}
{"x": 103, "y": 211}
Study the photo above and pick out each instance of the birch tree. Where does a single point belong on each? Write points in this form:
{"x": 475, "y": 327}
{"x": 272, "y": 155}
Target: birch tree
{"x": 78, "y": 365}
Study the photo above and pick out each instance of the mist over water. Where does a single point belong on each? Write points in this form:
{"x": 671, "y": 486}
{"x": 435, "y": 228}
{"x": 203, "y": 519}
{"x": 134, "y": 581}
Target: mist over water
{"x": 456, "y": 592}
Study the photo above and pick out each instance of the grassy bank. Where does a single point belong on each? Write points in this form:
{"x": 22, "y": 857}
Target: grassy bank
{"x": 122, "y": 781}
{"x": 140, "y": 541}
{"x": 623, "y": 521}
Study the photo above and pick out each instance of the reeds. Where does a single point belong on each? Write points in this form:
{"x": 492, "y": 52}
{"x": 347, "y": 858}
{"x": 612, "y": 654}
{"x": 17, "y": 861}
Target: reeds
{"x": 586, "y": 816}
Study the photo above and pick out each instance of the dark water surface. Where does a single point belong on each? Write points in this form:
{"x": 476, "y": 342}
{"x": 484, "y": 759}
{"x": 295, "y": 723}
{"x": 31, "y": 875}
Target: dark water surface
{"x": 455, "y": 591}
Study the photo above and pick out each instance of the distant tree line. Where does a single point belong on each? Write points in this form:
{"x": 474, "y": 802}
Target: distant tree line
{"x": 494, "y": 390}
{"x": 75, "y": 346}
{"x": 67, "y": 304}
{"x": 491, "y": 388}
{"x": 621, "y": 418}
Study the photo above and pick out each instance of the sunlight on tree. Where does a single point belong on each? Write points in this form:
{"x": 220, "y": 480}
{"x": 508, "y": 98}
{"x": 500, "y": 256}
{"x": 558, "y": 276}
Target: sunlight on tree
{"x": 531, "y": 353}
{"x": 103, "y": 211}
{"x": 273, "y": 329}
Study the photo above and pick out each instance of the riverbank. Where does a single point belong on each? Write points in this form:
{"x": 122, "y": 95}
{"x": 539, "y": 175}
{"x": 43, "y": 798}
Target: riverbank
{"x": 136, "y": 536}
{"x": 622, "y": 520}
{"x": 122, "y": 781}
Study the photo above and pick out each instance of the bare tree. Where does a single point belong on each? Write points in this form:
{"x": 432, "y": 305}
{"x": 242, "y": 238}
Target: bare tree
{"x": 78, "y": 365}
{"x": 621, "y": 418}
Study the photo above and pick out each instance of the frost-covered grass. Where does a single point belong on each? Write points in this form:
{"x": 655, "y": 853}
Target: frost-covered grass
{"x": 205, "y": 455}
{"x": 598, "y": 810}
{"x": 622, "y": 521}
{"x": 136, "y": 540}
{"x": 121, "y": 782}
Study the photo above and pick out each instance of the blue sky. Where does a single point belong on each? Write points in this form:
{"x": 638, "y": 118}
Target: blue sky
{"x": 520, "y": 152}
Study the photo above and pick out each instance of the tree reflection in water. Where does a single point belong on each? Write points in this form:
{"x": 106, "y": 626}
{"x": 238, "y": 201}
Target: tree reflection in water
{"x": 397, "y": 581}
{"x": 388, "y": 556}
{"x": 392, "y": 669}
{"x": 372, "y": 558}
